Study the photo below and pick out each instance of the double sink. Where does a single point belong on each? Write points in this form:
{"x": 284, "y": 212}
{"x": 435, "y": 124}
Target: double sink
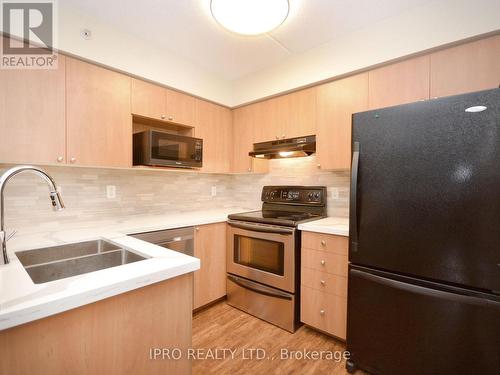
{"x": 59, "y": 262}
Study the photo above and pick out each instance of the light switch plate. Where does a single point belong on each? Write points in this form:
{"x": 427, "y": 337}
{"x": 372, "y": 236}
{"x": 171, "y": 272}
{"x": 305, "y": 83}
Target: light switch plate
{"x": 335, "y": 193}
{"x": 214, "y": 191}
{"x": 110, "y": 191}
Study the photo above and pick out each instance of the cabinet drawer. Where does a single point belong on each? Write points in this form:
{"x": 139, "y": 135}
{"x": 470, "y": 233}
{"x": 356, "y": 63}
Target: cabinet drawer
{"x": 324, "y": 282}
{"x": 324, "y": 311}
{"x": 326, "y": 242}
{"x": 325, "y": 261}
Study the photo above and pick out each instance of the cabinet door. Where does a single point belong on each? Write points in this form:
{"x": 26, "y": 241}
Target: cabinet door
{"x": 32, "y": 115}
{"x": 301, "y": 117}
{"x": 148, "y": 100}
{"x": 337, "y": 101}
{"x": 180, "y": 108}
{"x": 470, "y": 67}
{"x": 99, "y": 123}
{"x": 244, "y": 135}
{"x": 214, "y": 126}
{"x": 270, "y": 118}
{"x": 210, "y": 248}
{"x": 399, "y": 83}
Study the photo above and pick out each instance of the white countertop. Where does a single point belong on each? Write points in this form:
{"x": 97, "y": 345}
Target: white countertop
{"x": 330, "y": 225}
{"x": 22, "y": 301}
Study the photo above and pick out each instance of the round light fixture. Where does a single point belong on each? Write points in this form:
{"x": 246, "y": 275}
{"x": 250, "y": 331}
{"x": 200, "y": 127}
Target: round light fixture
{"x": 249, "y": 17}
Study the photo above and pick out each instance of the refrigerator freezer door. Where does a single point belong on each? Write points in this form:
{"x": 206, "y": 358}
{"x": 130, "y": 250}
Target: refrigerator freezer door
{"x": 395, "y": 327}
{"x": 427, "y": 198}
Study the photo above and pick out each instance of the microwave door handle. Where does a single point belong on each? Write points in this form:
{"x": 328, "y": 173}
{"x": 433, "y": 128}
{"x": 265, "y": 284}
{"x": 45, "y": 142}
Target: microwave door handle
{"x": 261, "y": 289}
{"x": 260, "y": 228}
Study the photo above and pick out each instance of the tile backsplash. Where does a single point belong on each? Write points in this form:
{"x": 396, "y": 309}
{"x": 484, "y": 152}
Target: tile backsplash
{"x": 146, "y": 192}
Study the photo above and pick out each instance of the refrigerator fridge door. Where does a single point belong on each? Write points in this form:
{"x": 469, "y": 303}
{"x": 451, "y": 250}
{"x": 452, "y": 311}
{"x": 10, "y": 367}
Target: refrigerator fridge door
{"x": 425, "y": 197}
{"x": 396, "y": 327}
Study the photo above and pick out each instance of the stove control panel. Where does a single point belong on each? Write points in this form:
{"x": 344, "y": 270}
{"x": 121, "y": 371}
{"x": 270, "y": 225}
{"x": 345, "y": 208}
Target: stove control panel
{"x": 306, "y": 195}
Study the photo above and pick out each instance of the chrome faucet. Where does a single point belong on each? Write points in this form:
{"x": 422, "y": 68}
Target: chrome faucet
{"x": 57, "y": 202}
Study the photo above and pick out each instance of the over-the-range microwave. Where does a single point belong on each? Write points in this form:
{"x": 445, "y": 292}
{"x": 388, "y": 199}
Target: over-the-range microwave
{"x": 157, "y": 148}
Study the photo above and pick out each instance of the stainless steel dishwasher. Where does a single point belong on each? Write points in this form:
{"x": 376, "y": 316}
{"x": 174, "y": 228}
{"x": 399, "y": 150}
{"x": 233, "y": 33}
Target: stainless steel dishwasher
{"x": 179, "y": 239}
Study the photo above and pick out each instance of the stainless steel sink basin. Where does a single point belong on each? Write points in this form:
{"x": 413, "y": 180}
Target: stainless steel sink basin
{"x": 59, "y": 262}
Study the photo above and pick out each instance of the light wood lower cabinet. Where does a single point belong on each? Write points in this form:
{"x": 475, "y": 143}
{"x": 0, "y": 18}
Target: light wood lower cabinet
{"x": 210, "y": 248}
{"x": 32, "y": 115}
{"x": 323, "y": 301}
{"x": 112, "y": 336}
{"x": 99, "y": 120}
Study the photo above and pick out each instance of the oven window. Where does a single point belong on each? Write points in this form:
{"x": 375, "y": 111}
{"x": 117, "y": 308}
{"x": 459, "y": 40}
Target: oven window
{"x": 260, "y": 254}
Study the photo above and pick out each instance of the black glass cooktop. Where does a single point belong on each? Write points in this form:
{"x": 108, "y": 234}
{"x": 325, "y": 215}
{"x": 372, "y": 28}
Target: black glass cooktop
{"x": 287, "y": 218}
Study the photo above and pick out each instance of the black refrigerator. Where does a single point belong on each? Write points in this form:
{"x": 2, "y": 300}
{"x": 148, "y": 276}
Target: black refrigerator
{"x": 424, "y": 249}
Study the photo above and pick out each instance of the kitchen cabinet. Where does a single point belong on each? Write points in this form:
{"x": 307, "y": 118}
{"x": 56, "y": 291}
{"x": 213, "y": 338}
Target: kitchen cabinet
{"x": 214, "y": 126}
{"x": 469, "y": 67}
{"x": 111, "y": 336}
{"x": 400, "y": 83}
{"x": 32, "y": 115}
{"x": 336, "y": 102}
{"x": 156, "y": 102}
{"x": 210, "y": 248}
{"x": 99, "y": 123}
{"x": 244, "y": 136}
{"x": 324, "y": 267}
{"x": 286, "y": 116}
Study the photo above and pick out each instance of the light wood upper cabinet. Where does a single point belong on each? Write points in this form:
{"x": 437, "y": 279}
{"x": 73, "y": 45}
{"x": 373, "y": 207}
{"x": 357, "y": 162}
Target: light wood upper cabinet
{"x": 399, "y": 83}
{"x": 301, "y": 113}
{"x": 214, "y": 126}
{"x": 99, "y": 123}
{"x": 32, "y": 115}
{"x": 286, "y": 116}
{"x": 210, "y": 248}
{"x": 466, "y": 68}
{"x": 245, "y": 130}
{"x": 180, "y": 108}
{"x": 337, "y": 101}
{"x": 148, "y": 100}
{"x": 160, "y": 103}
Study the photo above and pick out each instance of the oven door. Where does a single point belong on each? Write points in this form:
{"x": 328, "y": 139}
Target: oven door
{"x": 262, "y": 253}
{"x": 176, "y": 150}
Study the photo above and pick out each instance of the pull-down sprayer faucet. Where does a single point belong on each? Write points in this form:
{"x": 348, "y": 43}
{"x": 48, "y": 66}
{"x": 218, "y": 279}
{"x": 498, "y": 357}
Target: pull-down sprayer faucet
{"x": 55, "y": 197}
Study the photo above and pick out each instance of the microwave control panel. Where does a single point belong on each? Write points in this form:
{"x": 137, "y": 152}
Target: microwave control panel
{"x": 308, "y": 195}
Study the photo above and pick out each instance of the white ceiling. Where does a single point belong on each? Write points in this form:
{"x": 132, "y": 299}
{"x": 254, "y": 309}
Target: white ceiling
{"x": 186, "y": 29}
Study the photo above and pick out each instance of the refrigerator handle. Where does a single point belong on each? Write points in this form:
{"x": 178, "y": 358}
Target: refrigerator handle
{"x": 353, "y": 225}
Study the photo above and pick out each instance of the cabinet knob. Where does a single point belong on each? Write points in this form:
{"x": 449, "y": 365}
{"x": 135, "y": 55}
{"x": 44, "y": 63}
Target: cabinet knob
{"x": 322, "y": 282}
{"x": 170, "y": 118}
{"x": 72, "y": 160}
{"x": 197, "y": 229}
{"x": 277, "y": 137}
{"x": 321, "y": 312}
{"x": 163, "y": 117}
{"x": 60, "y": 159}
{"x": 283, "y": 136}
{"x": 318, "y": 165}
{"x": 323, "y": 243}
{"x": 322, "y": 262}
{"x": 249, "y": 169}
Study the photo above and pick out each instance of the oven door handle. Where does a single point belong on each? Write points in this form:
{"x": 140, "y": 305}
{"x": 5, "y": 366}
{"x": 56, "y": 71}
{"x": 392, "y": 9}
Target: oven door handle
{"x": 261, "y": 289}
{"x": 260, "y": 228}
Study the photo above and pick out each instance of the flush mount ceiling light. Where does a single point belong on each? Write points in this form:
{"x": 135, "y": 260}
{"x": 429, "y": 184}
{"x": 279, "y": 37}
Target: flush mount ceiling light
{"x": 249, "y": 17}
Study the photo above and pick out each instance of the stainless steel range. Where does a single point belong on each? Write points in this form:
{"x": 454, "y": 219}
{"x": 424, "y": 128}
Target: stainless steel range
{"x": 263, "y": 254}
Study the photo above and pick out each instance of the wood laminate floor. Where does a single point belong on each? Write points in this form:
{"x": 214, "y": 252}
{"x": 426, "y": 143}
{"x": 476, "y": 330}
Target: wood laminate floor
{"x": 224, "y": 327}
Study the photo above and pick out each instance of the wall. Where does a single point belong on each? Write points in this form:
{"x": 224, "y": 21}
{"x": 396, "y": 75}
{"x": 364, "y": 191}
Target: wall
{"x": 431, "y": 25}
{"x": 27, "y": 205}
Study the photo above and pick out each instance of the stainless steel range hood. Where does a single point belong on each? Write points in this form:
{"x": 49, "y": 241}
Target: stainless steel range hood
{"x": 285, "y": 148}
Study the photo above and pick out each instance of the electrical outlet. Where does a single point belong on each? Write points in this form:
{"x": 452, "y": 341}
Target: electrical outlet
{"x": 335, "y": 193}
{"x": 110, "y": 191}
{"x": 214, "y": 191}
